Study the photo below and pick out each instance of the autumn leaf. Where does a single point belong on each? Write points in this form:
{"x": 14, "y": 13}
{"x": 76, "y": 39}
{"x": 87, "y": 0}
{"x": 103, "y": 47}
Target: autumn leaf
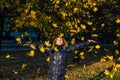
{"x": 23, "y": 66}
{"x": 31, "y": 53}
{"x": 118, "y": 20}
{"x": 48, "y": 59}
{"x": 116, "y": 52}
{"x": 95, "y": 9}
{"x": 32, "y": 46}
{"x": 47, "y": 43}
{"x": 18, "y": 39}
{"x": 42, "y": 49}
{"x": 15, "y": 72}
{"x": 66, "y": 76}
{"x": 94, "y": 35}
{"x": 73, "y": 41}
{"x": 56, "y": 49}
{"x": 7, "y": 56}
{"x": 97, "y": 46}
{"x": 89, "y": 23}
{"x": 102, "y": 60}
{"x": 54, "y": 25}
{"x": 106, "y": 72}
{"x": 83, "y": 26}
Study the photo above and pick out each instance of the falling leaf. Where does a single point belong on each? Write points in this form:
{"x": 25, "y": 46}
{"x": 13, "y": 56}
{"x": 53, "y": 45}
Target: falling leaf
{"x": 94, "y": 35}
{"x": 106, "y": 72}
{"x": 102, "y": 25}
{"x": 102, "y": 60}
{"x": 89, "y": 23}
{"x": 116, "y": 52}
{"x": 95, "y": 9}
{"x": 82, "y": 38}
{"x": 7, "y": 56}
{"x": 47, "y": 43}
{"x": 31, "y": 53}
{"x": 42, "y": 49}
{"x": 56, "y": 49}
{"x": 110, "y": 57}
{"x": 83, "y": 26}
{"x": 32, "y": 46}
{"x": 81, "y": 53}
{"x": 38, "y": 70}
{"x": 73, "y": 41}
{"x": 75, "y": 10}
{"x": 66, "y": 76}
{"x": 48, "y": 59}
{"x": 23, "y": 66}
{"x": 61, "y": 34}
{"x": 54, "y": 25}
{"x": 15, "y": 72}
{"x": 19, "y": 40}
{"x": 115, "y": 42}
{"x": 118, "y": 20}
{"x": 73, "y": 31}
{"x": 97, "y": 46}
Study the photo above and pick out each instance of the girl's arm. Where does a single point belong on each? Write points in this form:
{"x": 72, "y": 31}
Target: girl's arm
{"x": 79, "y": 45}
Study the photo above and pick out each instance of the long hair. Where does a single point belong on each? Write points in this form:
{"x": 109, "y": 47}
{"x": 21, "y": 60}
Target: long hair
{"x": 65, "y": 44}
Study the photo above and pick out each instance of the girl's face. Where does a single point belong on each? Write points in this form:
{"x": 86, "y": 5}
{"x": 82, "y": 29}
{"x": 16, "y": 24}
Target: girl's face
{"x": 59, "y": 41}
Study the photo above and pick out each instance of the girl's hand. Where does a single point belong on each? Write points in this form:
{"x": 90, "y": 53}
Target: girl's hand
{"x": 91, "y": 41}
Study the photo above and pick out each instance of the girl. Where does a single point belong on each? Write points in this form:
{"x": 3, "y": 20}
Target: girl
{"x": 56, "y": 70}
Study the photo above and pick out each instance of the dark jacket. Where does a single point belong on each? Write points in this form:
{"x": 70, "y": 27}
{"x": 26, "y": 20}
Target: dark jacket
{"x": 56, "y": 70}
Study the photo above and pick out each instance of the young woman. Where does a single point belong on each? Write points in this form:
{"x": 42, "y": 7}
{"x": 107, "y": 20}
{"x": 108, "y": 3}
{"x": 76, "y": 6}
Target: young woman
{"x": 58, "y": 53}
{"x": 56, "y": 70}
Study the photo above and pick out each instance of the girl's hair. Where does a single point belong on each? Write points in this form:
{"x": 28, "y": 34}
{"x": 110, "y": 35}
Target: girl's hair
{"x": 65, "y": 44}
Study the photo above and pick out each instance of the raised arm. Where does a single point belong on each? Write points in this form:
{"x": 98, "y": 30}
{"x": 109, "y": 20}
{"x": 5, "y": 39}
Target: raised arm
{"x": 79, "y": 45}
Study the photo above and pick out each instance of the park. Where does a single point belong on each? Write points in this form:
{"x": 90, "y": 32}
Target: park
{"x": 36, "y": 23}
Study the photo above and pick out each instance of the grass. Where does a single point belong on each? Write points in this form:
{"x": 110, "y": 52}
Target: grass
{"x": 89, "y": 68}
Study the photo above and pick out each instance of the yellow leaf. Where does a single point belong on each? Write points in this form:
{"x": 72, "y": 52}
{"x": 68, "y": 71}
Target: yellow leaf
{"x": 75, "y": 10}
{"x": 15, "y": 72}
{"x": 73, "y": 41}
{"x": 116, "y": 52}
{"x": 97, "y": 46}
{"x": 89, "y": 23}
{"x": 82, "y": 57}
{"x": 32, "y": 46}
{"x": 31, "y": 53}
{"x": 119, "y": 59}
{"x": 23, "y": 66}
{"x": 115, "y": 42}
{"x": 94, "y": 29}
{"x": 95, "y": 9}
{"x": 110, "y": 57}
{"x": 102, "y": 60}
{"x": 42, "y": 49}
{"x": 91, "y": 48}
{"x": 118, "y": 66}
{"x": 47, "y": 43}
{"x": 83, "y": 26}
{"x": 102, "y": 25}
{"x": 73, "y": 31}
{"x": 106, "y": 72}
{"x": 66, "y": 76}
{"x": 111, "y": 76}
{"x": 38, "y": 70}
{"x": 54, "y": 25}
{"x": 48, "y": 59}
{"x": 19, "y": 40}
{"x": 118, "y": 20}
{"x": 76, "y": 51}
{"x": 61, "y": 34}
{"x": 81, "y": 53}
{"x": 118, "y": 35}
{"x": 56, "y": 49}
{"x": 7, "y": 56}
{"x": 75, "y": 56}
{"x": 94, "y": 35}
{"x": 82, "y": 38}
